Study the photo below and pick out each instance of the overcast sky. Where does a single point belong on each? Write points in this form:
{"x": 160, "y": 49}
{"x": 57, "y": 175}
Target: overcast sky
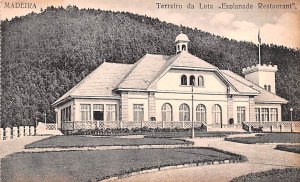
{"x": 281, "y": 27}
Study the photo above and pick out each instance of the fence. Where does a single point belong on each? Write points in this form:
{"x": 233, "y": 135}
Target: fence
{"x": 282, "y": 126}
{"x": 76, "y": 125}
{"x": 16, "y": 132}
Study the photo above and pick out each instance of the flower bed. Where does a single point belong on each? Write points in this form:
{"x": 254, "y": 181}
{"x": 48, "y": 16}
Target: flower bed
{"x": 90, "y": 165}
{"x": 90, "y": 141}
{"x": 288, "y": 174}
{"x": 289, "y": 148}
{"x": 268, "y": 138}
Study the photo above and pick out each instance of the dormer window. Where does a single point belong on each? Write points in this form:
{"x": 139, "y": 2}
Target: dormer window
{"x": 269, "y": 88}
{"x": 265, "y": 87}
{"x": 192, "y": 80}
{"x": 200, "y": 81}
{"x": 183, "y": 80}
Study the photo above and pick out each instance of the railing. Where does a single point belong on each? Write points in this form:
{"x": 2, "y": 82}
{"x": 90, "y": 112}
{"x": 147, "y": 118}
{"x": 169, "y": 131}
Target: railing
{"x": 16, "y": 132}
{"x": 76, "y": 125}
{"x": 280, "y": 126}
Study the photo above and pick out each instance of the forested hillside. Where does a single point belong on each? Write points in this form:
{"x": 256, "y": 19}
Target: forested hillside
{"x": 45, "y": 54}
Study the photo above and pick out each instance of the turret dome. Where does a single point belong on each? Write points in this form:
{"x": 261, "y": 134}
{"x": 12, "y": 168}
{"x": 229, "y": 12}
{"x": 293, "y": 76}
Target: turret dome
{"x": 182, "y": 37}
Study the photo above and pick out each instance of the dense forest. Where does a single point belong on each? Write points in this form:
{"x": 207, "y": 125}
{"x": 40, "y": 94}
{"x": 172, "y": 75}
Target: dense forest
{"x": 45, "y": 54}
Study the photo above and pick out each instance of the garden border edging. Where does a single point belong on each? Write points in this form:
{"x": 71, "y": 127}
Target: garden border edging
{"x": 170, "y": 167}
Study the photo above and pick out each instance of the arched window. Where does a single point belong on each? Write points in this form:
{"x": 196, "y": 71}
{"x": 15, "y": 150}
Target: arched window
{"x": 183, "y": 48}
{"x": 200, "y": 81}
{"x": 201, "y": 113}
{"x": 166, "y": 112}
{"x": 265, "y": 86}
{"x": 269, "y": 88}
{"x": 183, "y": 80}
{"x": 184, "y": 112}
{"x": 217, "y": 114}
{"x": 192, "y": 80}
{"x": 178, "y": 47}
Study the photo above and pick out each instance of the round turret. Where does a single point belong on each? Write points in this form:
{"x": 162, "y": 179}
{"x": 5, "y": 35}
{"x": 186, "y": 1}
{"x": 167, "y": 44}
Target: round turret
{"x": 181, "y": 41}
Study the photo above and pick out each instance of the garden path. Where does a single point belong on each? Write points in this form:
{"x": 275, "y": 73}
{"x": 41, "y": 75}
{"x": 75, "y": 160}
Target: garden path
{"x": 261, "y": 157}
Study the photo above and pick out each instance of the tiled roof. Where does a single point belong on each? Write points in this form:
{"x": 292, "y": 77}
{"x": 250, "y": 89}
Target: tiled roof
{"x": 141, "y": 75}
{"x": 185, "y": 59}
{"x": 239, "y": 85}
{"x": 264, "y": 96}
{"x": 99, "y": 82}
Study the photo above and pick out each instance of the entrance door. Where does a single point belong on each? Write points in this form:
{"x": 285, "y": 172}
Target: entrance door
{"x": 98, "y": 112}
{"x": 98, "y": 116}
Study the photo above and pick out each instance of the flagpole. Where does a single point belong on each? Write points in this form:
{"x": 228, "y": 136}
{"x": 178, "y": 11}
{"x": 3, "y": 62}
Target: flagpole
{"x": 259, "y": 42}
{"x": 259, "y": 60}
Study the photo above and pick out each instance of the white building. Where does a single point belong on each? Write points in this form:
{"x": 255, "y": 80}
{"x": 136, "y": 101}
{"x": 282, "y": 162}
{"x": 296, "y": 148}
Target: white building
{"x": 157, "y": 91}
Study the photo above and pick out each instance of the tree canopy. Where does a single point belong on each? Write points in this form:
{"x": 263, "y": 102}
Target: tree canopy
{"x": 46, "y": 54}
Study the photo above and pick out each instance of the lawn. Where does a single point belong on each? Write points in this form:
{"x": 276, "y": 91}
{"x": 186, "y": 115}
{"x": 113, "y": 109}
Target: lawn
{"x": 87, "y": 165}
{"x": 268, "y": 138}
{"x": 288, "y": 174}
{"x": 289, "y": 148}
{"x": 92, "y": 141}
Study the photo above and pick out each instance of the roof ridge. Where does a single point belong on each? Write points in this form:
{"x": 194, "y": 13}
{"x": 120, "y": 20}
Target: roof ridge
{"x": 130, "y": 71}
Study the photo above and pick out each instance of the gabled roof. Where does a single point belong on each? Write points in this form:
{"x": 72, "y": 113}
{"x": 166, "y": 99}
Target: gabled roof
{"x": 264, "y": 96}
{"x": 150, "y": 67}
{"x": 99, "y": 82}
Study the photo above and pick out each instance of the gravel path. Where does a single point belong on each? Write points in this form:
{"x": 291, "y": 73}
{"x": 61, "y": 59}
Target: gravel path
{"x": 261, "y": 157}
{"x": 8, "y": 147}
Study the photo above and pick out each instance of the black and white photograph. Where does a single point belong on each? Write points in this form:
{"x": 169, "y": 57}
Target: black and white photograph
{"x": 150, "y": 90}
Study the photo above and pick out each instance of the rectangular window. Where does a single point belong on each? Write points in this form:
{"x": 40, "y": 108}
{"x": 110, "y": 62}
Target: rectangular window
{"x": 274, "y": 114}
{"x": 98, "y": 112}
{"x": 257, "y": 114}
{"x": 138, "y": 112}
{"x": 111, "y": 113}
{"x": 264, "y": 114}
{"x": 85, "y": 110}
{"x": 66, "y": 114}
{"x": 241, "y": 114}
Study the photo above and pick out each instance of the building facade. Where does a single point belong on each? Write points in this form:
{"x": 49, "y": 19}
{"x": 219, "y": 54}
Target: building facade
{"x": 173, "y": 89}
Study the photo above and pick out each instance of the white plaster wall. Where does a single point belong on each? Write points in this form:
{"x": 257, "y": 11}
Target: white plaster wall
{"x": 207, "y": 100}
{"x": 137, "y": 98}
{"x": 241, "y": 101}
{"x": 262, "y": 78}
{"x": 172, "y": 79}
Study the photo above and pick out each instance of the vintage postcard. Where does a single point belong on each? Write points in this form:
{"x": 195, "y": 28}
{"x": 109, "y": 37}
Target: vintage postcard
{"x": 150, "y": 90}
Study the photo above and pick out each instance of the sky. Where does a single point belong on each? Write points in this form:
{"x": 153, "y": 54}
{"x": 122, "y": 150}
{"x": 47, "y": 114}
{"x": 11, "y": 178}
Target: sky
{"x": 277, "y": 26}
